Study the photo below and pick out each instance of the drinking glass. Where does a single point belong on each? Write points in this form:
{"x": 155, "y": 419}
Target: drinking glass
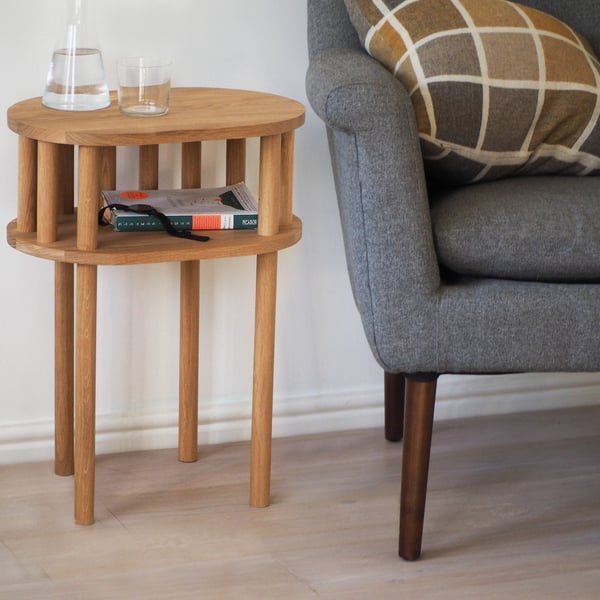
{"x": 144, "y": 86}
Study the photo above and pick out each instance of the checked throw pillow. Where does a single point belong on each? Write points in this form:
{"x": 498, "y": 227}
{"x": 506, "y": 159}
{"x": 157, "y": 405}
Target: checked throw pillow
{"x": 498, "y": 88}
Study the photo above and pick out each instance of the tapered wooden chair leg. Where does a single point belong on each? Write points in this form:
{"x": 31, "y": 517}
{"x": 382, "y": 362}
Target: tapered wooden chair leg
{"x": 418, "y": 425}
{"x": 394, "y": 384}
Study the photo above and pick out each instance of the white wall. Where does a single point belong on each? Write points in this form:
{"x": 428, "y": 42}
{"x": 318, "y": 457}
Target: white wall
{"x": 325, "y": 376}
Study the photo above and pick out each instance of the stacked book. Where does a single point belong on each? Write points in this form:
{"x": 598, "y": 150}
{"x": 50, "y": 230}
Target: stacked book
{"x": 229, "y": 207}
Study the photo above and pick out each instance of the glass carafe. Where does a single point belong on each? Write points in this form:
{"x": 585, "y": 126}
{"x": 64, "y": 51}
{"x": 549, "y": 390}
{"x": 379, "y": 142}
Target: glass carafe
{"x": 76, "y": 78}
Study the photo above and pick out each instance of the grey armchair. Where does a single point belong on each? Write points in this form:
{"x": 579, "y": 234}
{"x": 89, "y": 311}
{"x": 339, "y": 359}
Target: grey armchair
{"x": 530, "y": 304}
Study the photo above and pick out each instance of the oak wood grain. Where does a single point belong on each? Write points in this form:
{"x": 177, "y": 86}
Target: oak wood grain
{"x": 195, "y": 114}
{"x": 145, "y": 247}
{"x": 68, "y": 236}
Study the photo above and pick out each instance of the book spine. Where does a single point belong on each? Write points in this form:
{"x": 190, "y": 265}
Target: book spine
{"x": 207, "y": 222}
{"x": 147, "y": 223}
{"x": 227, "y": 221}
{"x": 245, "y": 221}
{"x": 137, "y": 222}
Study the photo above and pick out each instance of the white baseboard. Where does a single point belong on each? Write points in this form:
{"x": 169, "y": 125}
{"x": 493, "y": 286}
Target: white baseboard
{"x": 458, "y": 397}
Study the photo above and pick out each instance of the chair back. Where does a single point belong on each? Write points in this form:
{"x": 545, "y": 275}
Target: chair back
{"x": 582, "y": 15}
{"x": 329, "y": 26}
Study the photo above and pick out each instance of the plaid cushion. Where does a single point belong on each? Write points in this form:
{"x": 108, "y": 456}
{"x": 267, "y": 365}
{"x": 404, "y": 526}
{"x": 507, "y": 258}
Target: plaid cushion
{"x": 498, "y": 88}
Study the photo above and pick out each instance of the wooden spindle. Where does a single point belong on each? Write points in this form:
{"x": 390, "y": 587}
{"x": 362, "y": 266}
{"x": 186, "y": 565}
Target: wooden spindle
{"x": 148, "y": 163}
{"x": 27, "y": 192}
{"x": 269, "y": 185}
{"x": 287, "y": 177}
{"x": 235, "y": 168}
{"x": 67, "y": 183}
{"x": 191, "y": 165}
{"x": 49, "y": 186}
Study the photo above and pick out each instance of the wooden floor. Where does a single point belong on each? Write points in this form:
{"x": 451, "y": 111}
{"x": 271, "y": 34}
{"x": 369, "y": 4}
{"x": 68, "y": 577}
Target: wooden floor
{"x": 513, "y": 513}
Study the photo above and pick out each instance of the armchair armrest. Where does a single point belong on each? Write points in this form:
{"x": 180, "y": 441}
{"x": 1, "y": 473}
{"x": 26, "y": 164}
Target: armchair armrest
{"x": 382, "y": 197}
{"x": 349, "y": 90}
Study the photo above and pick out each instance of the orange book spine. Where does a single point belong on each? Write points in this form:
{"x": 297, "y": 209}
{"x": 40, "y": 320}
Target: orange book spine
{"x": 206, "y": 222}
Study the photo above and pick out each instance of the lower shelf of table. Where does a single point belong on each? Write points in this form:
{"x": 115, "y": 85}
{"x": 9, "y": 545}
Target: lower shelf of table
{"x": 145, "y": 247}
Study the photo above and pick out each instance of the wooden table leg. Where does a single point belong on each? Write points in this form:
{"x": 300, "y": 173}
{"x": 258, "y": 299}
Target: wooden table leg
{"x": 262, "y": 397}
{"x": 63, "y": 369}
{"x": 188, "y": 360}
{"x": 189, "y": 316}
{"x": 264, "y": 324}
{"x": 90, "y": 168}
{"x": 85, "y": 394}
{"x": 64, "y": 323}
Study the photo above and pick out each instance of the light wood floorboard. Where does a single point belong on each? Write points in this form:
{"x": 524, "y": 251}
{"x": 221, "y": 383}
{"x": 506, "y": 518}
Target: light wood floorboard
{"x": 513, "y": 513}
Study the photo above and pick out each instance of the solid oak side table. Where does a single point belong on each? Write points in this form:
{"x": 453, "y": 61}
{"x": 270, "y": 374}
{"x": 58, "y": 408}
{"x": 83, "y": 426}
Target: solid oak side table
{"x": 48, "y": 225}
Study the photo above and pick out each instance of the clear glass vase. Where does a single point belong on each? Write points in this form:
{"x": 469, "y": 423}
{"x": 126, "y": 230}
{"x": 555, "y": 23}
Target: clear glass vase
{"x": 76, "y": 78}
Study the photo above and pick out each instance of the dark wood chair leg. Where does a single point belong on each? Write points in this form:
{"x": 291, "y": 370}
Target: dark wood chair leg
{"x": 394, "y": 384}
{"x": 418, "y": 425}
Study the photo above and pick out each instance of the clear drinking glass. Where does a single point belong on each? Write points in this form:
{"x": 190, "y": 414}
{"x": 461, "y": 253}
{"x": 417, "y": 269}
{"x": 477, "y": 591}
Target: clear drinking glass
{"x": 144, "y": 86}
{"x": 76, "y": 78}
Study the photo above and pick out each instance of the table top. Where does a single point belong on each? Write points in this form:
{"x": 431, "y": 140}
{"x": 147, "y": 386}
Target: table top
{"x": 195, "y": 114}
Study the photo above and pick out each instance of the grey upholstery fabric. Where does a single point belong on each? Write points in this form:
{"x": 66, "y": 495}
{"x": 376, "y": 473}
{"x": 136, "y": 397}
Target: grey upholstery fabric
{"x": 581, "y": 15}
{"x": 536, "y": 228}
{"x": 415, "y": 320}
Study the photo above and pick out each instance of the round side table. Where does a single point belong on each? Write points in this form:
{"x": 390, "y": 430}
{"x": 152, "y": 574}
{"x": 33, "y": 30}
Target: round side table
{"x": 48, "y": 225}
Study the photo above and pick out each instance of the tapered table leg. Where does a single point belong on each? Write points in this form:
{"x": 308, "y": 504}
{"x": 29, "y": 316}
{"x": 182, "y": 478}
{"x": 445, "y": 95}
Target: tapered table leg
{"x": 264, "y": 325}
{"x": 90, "y": 169}
{"x": 262, "y": 398}
{"x": 188, "y": 360}
{"x": 85, "y": 394}
{"x": 63, "y": 368}
{"x": 64, "y": 324}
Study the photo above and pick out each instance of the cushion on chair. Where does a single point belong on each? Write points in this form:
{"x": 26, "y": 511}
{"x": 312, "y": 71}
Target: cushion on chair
{"x": 531, "y": 228}
{"x": 498, "y": 88}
